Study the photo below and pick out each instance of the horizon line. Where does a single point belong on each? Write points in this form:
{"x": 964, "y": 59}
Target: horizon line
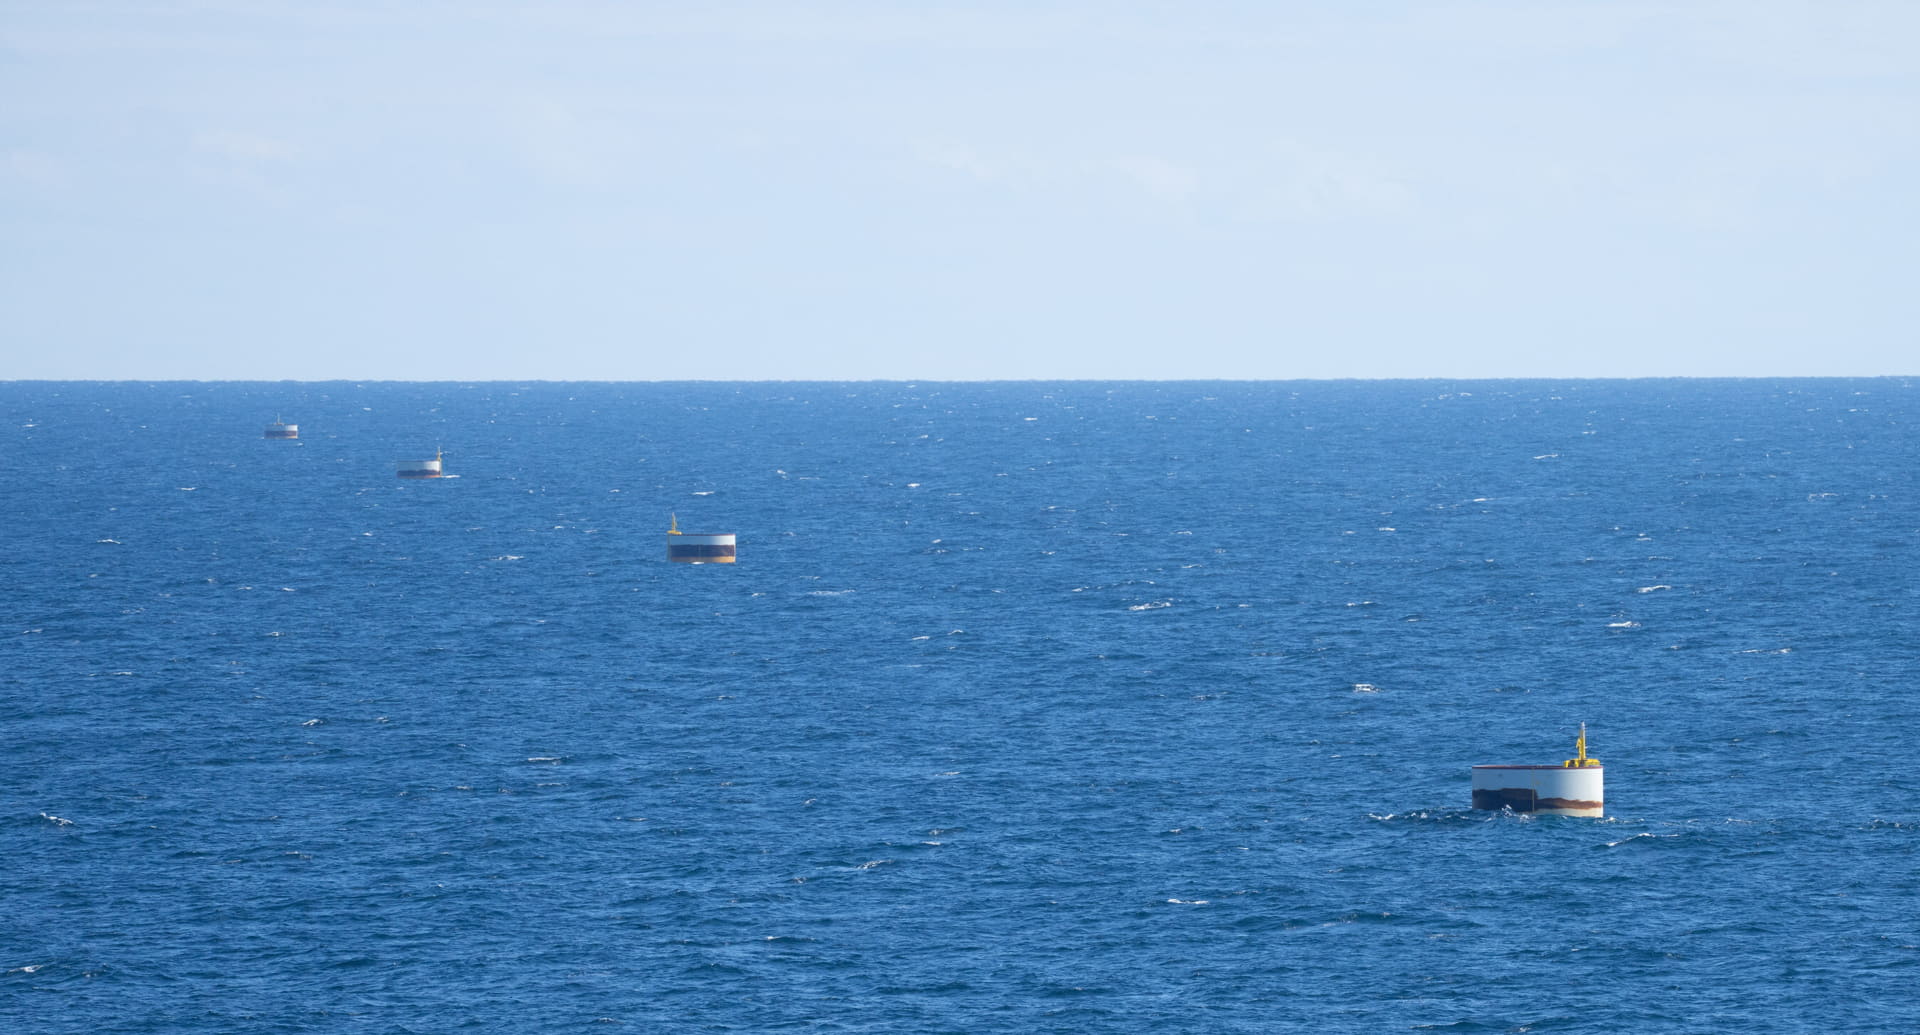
{"x": 938, "y": 380}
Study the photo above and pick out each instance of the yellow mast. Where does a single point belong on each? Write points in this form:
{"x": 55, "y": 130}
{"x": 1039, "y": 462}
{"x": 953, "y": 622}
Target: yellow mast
{"x": 675, "y": 530}
{"x": 1580, "y": 759}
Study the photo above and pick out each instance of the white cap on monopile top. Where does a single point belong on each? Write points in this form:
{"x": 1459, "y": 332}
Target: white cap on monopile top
{"x": 699, "y": 547}
{"x": 1575, "y": 787}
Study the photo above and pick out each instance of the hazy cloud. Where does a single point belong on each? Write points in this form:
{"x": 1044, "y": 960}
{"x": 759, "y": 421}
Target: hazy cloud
{"x": 1008, "y": 181}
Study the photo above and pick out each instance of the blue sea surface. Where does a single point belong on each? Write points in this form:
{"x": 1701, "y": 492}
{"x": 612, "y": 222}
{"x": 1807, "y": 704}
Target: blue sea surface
{"x": 1029, "y": 707}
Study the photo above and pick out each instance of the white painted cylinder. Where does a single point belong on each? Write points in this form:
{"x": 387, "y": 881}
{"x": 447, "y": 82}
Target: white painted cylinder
{"x": 1551, "y": 789}
{"x": 280, "y": 429}
{"x": 700, "y": 547}
{"x": 418, "y": 468}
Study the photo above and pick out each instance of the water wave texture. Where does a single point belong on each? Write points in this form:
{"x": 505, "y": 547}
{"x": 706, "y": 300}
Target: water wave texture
{"x": 1077, "y": 707}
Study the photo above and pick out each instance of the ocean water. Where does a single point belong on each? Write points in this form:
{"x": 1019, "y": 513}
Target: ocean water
{"x": 1029, "y": 707}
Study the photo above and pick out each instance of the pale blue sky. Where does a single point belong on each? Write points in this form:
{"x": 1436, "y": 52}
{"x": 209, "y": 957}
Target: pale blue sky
{"x": 589, "y": 189}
